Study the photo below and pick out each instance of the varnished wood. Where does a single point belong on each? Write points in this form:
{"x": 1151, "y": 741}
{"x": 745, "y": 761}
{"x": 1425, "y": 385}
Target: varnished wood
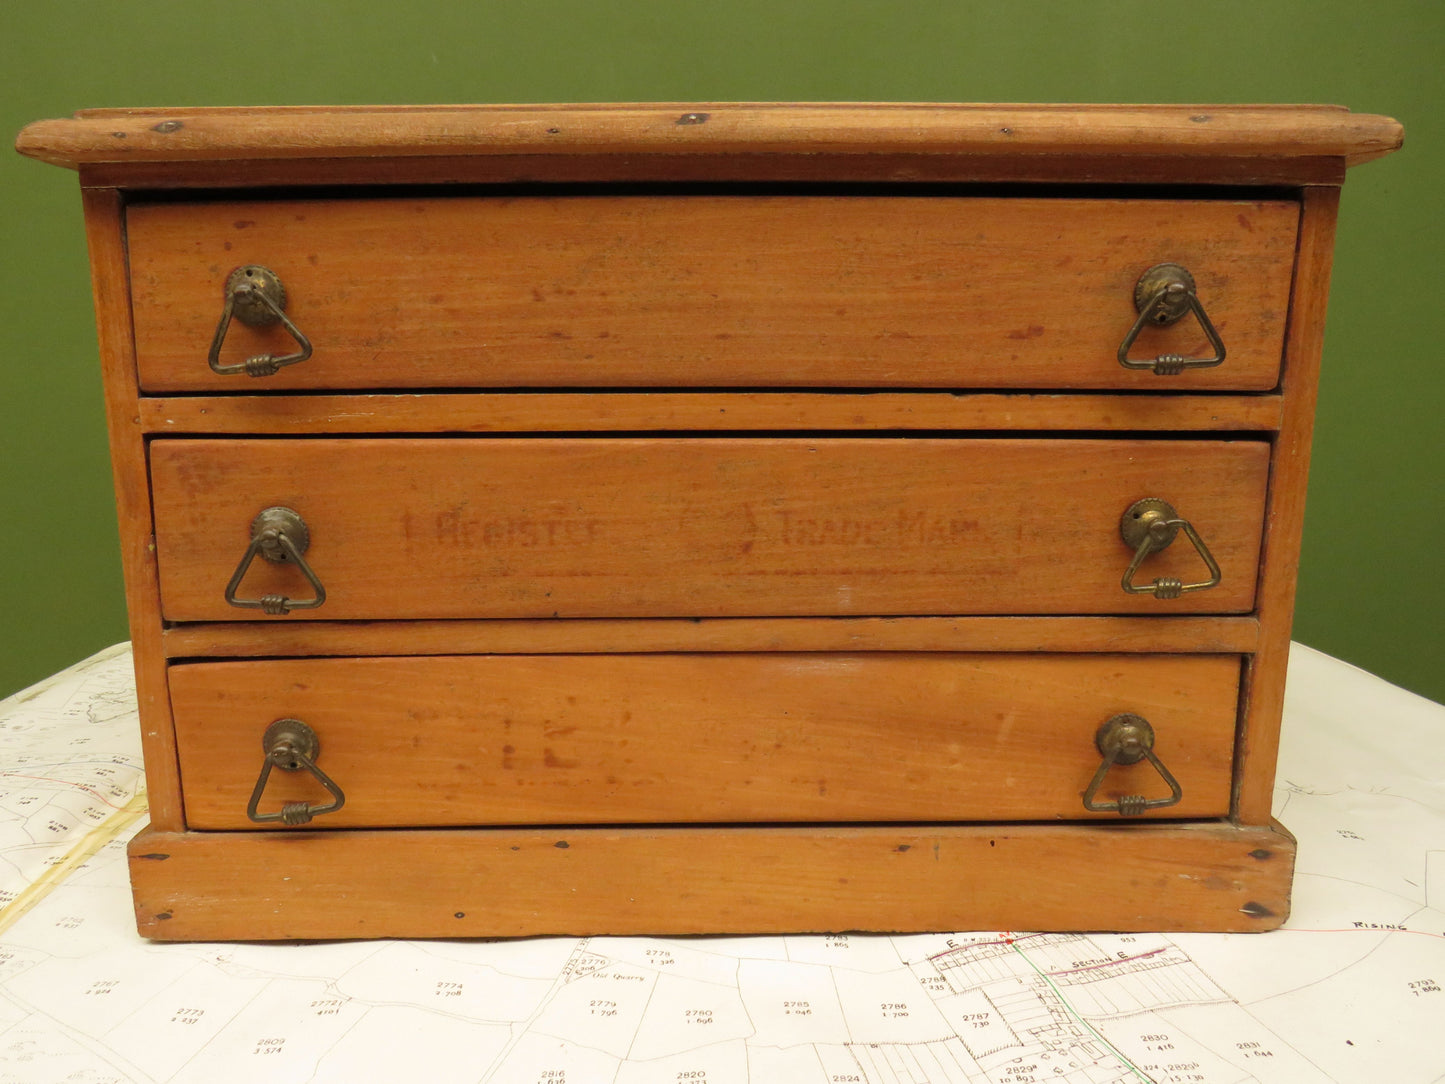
{"x": 656, "y": 739}
{"x": 515, "y": 882}
{"x": 727, "y": 309}
{"x": 413, "y": 528}
{"x": 826, "y": 168}
{"x": 653, "y": 291}
{"x": 1263, "y": 708}
{"x": 560, "y": 411}
{"x": 1183, "y": 131}
{"x": 105, "y": 236}
{"x": 1158, "y": 635}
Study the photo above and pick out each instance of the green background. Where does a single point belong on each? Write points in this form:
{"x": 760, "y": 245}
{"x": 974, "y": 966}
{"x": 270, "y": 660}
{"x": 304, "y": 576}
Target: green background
{"x": 1370, "y": 589}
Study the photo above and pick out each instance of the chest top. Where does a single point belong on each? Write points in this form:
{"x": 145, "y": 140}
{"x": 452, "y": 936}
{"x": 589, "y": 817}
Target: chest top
{"x": 1115, "y": 143}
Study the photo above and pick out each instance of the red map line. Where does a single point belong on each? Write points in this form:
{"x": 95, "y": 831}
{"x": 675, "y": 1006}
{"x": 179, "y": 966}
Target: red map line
{"x": 64, "y": 782}
{"x": 1111, "y": 963}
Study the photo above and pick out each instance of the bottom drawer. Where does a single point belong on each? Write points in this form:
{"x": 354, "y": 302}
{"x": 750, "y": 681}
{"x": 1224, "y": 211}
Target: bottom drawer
{"x": 699, "y": 738}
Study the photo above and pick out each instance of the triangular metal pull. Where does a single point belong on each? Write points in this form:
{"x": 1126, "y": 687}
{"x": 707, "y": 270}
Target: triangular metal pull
{"x": 292, "y": 746}
{"x": 1127, "y": 739}
{"x": 1150, "y": 525}
{"x": 279, "y": 535}
{"x": 255, "y": 296}
{"x": 1164, "y": 295}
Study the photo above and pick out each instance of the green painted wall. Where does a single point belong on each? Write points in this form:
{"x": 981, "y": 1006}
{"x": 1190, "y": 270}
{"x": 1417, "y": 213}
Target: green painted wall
{"x": 1371, "y": 585}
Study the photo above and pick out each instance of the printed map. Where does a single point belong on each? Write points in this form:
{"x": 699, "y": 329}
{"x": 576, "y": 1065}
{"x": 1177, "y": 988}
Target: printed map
{"x": 70, "y": 764}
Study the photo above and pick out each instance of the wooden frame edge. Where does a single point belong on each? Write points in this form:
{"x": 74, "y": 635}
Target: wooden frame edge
{"x": 502, "y": 411}
{"x": 504, "y": 882}
{"x": 680, "y": 129}
{"x": 1205, "y": 635}
{"x": 104, "y": 211}
{"x": 722, "y": 168}
{"x": 1262, "y": 706}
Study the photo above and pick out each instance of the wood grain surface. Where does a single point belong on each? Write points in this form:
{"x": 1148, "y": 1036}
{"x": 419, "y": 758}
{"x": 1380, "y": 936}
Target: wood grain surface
{"x": 1263, "y": 706}
{"x": 728, "y": 677}
{"x": 529, "y": 881}
{"x": 829, "y": 167}
{"x": 711, "y": 291}
{"x": 409, "y": 528}
{"x": 1140, "y": 634}
{"x": 737, "y": 128}
{"x": 105, "y": 237}
{"x": 641, "y": 739}
{"x": 635, "y": 411}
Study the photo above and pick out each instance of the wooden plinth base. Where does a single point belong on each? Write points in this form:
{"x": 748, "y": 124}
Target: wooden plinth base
{"x": 511, "y": 882}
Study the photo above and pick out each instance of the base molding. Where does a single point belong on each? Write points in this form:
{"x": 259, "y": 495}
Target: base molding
{"x": 514, "y": 882}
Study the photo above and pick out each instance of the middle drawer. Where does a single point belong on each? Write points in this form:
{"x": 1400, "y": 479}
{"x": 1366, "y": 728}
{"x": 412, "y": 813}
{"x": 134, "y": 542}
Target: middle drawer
{"x": 400, "y": 528}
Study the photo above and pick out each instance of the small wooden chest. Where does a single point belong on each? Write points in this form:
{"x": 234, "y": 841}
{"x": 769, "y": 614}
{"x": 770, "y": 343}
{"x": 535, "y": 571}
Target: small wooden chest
{"x": 710, "y": 519}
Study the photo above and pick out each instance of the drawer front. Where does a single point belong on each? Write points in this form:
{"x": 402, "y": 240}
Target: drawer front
{"x": 711, "y": 291}
{"x": 623, "y": 739}
{"x": 404, "y": 528}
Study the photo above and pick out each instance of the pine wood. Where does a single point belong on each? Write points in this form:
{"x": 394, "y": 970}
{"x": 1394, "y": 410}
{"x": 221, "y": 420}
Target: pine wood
{"x": 560, "y": 411}
{"x": 514, "y": 882}
{"x": 615, "y": 527}
{"x": 661, "y": 466}
{"x": 691, "y": 168}
{"x": 105, "y": 236}
{"x": 1289, "y": 475}
{"x": 1153, "y": 634}
{"x": 1014, "y": 131}
{"x": 646, "y": 291}
{"x": 645, "y": 739}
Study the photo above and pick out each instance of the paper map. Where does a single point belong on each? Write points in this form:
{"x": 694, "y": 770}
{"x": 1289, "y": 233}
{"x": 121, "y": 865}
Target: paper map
{"x": 1351, "y": 990}
{"x": 70, "y": 770}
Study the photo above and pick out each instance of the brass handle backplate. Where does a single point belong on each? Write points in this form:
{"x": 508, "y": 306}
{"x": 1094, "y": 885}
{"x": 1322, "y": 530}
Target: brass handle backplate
{"x": 1127, "y": 739}
{"x": 1150, "y": 525}
{"x": 255, "y": 296}
{"x": 292, "y": 746}
{"x": 279, "y": 535}
{"x": 1163, "y": 295}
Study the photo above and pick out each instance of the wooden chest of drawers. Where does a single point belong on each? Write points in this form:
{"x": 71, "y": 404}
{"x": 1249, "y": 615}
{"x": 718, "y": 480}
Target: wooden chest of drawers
{"x": 661, "y": 519}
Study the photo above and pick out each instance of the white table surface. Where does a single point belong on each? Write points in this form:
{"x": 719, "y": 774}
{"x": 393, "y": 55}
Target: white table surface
{"x": 1352, "y": 989}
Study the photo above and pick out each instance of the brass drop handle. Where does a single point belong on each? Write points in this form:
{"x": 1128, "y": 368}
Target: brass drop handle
{"x": 1127, "y": 739}
{"x": 279, "y": 535}
{"x": 292, "y": 746}
{"x": 255, "y": 296}
{"x": 1162, "y": 296}
{"x": 1150, "y": 525}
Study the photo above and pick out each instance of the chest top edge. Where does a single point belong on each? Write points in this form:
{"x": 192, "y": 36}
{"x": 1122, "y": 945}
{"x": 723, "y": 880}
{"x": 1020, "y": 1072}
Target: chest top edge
{"x": 1077, "y": 134}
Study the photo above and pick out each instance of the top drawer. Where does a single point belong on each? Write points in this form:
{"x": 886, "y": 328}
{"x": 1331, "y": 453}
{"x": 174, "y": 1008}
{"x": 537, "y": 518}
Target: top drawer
{"x": 710, "y": 291}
